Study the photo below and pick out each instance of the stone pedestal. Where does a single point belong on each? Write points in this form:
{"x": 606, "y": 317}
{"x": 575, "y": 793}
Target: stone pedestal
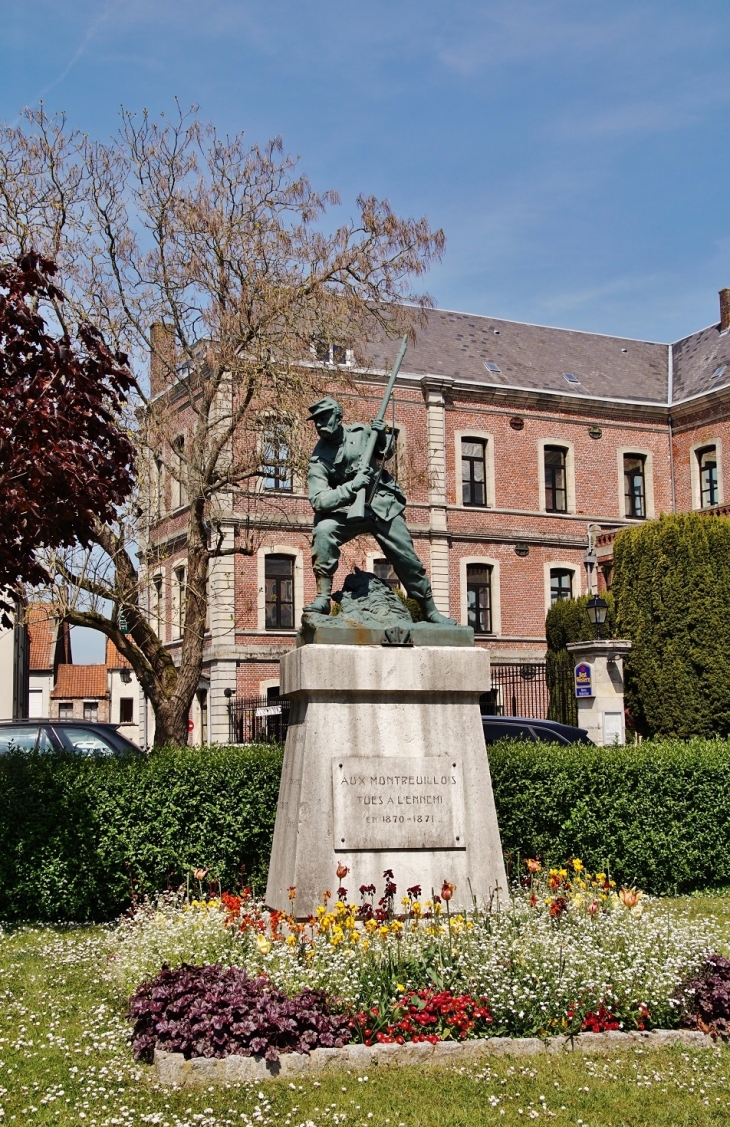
{"x": 602, "y": 712}
{"x": 385, "y": 768}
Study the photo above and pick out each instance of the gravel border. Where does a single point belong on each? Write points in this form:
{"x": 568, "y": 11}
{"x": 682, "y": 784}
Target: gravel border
{"x": 174, "y": 1071}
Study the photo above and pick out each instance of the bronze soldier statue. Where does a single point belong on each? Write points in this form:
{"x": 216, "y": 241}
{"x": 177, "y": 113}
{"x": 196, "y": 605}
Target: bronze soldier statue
{"x": 336, "y": 475}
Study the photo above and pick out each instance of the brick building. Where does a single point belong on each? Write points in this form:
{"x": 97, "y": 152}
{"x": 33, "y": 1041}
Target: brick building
{"x": 517, "y": 445}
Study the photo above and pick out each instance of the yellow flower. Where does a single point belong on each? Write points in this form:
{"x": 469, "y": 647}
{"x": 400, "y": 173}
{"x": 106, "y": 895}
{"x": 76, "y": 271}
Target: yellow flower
{"x": 600, "y": 876}
{"x": 578, "y": 866}
{"x": 371, "y": 925}
{"x": 291, "y": 940}
{"x": 416, "y": 908}
{"x": 396, "y": 927}
{"x": 400, "y": 987}
{"x": 263, "y": 944}
{"x": 383, "y": 930}
{"x": 365, "y": 944}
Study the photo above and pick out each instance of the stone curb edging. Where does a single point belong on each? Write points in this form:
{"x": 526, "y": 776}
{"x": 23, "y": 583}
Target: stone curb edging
{"x": 174, "y": 1071}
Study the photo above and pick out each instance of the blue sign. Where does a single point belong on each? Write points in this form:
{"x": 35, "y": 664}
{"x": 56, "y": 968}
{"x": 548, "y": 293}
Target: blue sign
{"x": 583, "y": 680}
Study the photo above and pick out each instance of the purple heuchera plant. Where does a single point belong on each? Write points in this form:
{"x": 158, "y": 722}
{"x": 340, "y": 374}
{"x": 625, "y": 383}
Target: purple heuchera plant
{"x": 218, "y": 1011}
{"x": 707, "y": 998}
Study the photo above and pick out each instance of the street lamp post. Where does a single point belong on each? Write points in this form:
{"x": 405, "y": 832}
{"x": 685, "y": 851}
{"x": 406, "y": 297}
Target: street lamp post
{"x": 597, "y": 609}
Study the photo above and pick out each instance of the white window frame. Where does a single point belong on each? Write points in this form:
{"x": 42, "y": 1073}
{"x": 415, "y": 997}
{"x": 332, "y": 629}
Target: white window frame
{"x": 648, "y": 456}
{"x": 569, "y": 474}
{"x": 370, "y": 561}
{"x": 157, "y": 488}
{"x": 349, "y": 356}
{"x": 496, "y": 596}
{"x": 267, "y": 420}
{"x": 178, "y": 491}
{"x": 694, "y": 467}
{"x": 177, "y": 598}
{"x": 563, "y": 565}
{"x": 298, "y": 557}
{"x": 489, "y": 479}
{"x": 157, "y": 603}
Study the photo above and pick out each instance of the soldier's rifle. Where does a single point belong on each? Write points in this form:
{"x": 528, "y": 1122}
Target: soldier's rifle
{"x": 357, "y": 508}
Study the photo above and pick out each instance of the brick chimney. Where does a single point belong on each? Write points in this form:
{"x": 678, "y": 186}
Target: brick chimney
{"x": 162, "y": 355}
{"x": 724, "y": 310}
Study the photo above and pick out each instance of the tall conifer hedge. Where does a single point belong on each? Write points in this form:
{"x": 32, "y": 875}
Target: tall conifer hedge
{"x": 671, "y": 585}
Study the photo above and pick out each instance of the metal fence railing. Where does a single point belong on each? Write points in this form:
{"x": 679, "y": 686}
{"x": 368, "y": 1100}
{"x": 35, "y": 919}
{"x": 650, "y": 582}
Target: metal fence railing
{"x": 529, "y": 689}
{"x": 518, "y": 689}
{"x": 258, "y": 720}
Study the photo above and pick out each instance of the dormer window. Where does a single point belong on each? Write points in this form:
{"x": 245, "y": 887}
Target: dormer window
{"x": 332, "y": 353}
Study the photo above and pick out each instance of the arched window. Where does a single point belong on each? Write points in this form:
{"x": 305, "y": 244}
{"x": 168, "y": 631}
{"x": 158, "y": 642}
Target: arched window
{"x": 634, "y": 486}
{"x": 279, "y": 584}
{"x": 479, "y": 597}
{"x": 180, "y": 473}
{"x": 561, "y": 584}
{"x": 556, "y": 495}
{"x": 384, "y": 570}
{"x": 276, "y": 458}
{"x": 709, "y": 491}
{"x": 473, "y": 472}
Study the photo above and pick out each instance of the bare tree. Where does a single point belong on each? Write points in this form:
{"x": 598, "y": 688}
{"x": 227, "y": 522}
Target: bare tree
{"x": 214, "y": 259}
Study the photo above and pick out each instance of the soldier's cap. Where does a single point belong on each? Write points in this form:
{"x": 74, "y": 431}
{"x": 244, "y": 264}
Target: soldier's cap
{"x": 323, "y": 407}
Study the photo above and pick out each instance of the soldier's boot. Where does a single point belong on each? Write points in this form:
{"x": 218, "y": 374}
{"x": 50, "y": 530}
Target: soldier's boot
{"x": 432, "y": 614}
{"x": 321, "y": 605}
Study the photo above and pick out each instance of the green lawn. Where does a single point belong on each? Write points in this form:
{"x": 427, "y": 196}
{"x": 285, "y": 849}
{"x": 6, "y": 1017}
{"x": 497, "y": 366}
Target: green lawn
{"x": 65, "y": 1060}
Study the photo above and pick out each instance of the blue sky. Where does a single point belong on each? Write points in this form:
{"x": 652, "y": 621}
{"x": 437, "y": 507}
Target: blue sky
{"x": 574, "y": 151}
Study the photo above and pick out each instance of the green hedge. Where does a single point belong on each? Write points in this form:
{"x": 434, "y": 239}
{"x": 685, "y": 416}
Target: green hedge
{"x": 656, "y": 813}
{"x": 74, "y": 833}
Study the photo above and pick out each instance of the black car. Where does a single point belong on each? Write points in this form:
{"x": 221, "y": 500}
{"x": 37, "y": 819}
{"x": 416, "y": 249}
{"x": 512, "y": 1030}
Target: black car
{"x": 523, "y": 728}
{"x": 77, "y": 736}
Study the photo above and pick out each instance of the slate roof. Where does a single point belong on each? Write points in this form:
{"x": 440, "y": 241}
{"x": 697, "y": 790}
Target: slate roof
{"x": 77, "y": 682}
{"x": 696, "y": 358}
{"x": 459, "y": 345}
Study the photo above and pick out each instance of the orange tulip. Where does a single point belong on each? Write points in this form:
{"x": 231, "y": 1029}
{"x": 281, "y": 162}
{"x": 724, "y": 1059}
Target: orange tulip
{"x": 629, "y": 897}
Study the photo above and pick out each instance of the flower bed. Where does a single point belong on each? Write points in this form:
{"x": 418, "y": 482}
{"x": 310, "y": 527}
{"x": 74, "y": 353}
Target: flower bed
{"x": 569, "y": 953}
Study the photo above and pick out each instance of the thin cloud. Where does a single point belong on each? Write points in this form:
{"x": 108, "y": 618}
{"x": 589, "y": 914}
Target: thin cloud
{"x": 93, "y": 27}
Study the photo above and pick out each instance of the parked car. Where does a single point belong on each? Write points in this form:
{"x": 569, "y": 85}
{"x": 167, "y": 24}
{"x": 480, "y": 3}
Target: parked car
{"x": 77, "y": 736}
{"x": 523, "y": 728}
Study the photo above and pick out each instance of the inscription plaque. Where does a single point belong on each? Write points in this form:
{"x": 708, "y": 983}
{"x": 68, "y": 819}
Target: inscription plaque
{"x": 398, "y": 803}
